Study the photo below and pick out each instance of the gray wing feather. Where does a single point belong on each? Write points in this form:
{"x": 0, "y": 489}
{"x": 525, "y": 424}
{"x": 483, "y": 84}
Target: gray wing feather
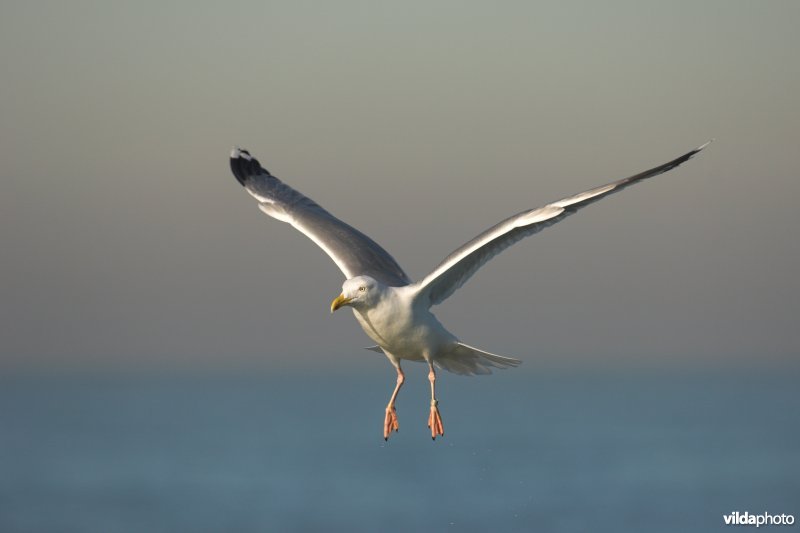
{"x": 459, "y": 266}
{"x": 353, "y": 252}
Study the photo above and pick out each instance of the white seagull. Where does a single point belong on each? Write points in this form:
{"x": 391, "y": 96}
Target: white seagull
{"x": 394, "y": 311}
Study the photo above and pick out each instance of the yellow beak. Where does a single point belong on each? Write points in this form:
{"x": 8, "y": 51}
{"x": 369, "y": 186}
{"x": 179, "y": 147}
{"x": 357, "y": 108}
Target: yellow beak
{"x": 338, "y": 302}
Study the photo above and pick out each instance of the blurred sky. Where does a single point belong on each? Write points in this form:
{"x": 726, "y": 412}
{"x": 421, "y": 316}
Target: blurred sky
{"x": 126, "y": 241}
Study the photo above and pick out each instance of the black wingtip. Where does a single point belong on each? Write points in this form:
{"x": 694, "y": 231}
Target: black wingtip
{"x": 244, "y": 165}
{"x": 672, "y": 164}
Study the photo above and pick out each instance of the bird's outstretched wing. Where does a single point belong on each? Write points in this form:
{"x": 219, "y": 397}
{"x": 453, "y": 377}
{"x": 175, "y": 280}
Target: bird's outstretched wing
{"x": 459, "y": 266}
{"x": 353, "y": 252}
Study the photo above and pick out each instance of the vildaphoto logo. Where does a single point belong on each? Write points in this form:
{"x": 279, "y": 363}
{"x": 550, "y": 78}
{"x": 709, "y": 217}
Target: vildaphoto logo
{"x": 765, "y": 519}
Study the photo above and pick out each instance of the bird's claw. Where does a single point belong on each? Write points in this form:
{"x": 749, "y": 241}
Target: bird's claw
{"x": 390, "y": 422}
{"x": 435, "y": 422}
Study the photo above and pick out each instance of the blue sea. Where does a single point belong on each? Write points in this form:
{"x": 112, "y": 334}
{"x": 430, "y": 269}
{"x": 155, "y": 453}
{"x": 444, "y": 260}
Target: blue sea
{"x": 524, "y": 450}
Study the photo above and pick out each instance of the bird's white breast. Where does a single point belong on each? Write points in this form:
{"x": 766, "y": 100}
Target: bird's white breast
{"x": 402, "y": 330}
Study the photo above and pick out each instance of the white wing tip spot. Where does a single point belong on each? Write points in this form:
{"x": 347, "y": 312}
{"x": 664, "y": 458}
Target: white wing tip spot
{"x": 237, "y": 152}
{"x": 706, "y": 144}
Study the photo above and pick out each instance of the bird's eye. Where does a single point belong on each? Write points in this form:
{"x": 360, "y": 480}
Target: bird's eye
{"x": 362, "y": 289}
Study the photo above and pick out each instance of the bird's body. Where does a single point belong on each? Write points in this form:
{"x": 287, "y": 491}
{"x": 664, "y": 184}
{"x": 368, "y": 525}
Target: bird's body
{"x": 403, "y": 327}
{"x": 400, "y": 328}
{"x": 394, "y": 311}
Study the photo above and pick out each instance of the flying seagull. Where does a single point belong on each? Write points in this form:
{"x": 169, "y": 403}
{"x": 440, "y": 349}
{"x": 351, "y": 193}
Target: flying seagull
{"x": 394, "y": 311}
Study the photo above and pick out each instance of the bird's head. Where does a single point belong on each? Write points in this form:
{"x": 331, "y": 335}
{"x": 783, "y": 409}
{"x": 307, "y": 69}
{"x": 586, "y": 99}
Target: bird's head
{"x": 359, "y": 292}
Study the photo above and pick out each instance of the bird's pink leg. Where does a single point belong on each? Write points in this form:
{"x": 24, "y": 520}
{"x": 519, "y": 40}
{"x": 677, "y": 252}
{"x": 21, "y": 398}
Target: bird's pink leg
{"x": 390, "y": 422}
{"x": 435, "y": 419}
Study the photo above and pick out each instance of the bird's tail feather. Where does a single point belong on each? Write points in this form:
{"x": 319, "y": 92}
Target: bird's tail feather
{"x": 462, "y": 359}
